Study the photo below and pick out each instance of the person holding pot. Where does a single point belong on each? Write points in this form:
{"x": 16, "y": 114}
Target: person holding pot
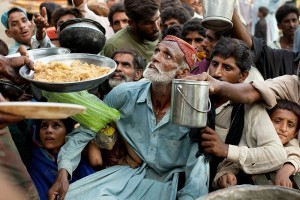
{"x": 165, "y": 148}
{"x": 244, "y": 134}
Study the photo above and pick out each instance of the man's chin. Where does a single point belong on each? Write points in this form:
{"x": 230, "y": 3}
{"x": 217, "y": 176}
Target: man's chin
{"x": 113, "y": 82}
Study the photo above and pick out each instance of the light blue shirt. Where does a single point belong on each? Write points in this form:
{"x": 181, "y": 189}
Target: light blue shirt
{"x": 165, "y": 148}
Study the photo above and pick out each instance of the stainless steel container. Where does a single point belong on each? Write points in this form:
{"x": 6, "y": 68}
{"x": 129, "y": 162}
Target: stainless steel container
{"x": 190, "y": 102}
{"x": 217, "y": 14}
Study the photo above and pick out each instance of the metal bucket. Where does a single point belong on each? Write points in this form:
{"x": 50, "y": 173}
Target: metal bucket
{"x": 190, "y": 103}
{"x": 217, "y": 14}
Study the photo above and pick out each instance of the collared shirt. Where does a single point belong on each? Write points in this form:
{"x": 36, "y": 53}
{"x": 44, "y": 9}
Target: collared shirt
{"x": 165, "y": 148}
{"x": 260, "y": 149}
{"x": 44, "y": 43}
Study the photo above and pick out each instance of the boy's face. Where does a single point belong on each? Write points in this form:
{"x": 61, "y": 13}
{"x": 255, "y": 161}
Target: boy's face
{"x": 285, "y": 123}
{"x": 20, "y": 28}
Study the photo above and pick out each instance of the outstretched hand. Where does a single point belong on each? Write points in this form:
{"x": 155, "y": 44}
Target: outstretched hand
{"x": 212, "y": 144}
{"x": 214, "y": 83}
{"x": 41, "y": 23}
{"x": 10, "y": 68}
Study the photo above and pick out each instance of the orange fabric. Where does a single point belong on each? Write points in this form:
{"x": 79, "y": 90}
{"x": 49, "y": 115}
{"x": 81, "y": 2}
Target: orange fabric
{"x": 188, "y": 50}
{"x": 51, "y": 32}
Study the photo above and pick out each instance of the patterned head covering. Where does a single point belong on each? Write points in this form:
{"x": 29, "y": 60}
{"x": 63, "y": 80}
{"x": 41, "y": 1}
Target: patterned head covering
{"x": 4, "y": 17}
{"x": 188, "y": 50}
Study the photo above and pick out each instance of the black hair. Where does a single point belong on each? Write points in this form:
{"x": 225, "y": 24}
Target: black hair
{"x": 169, "y": 3}
{"x": 179, "y": 13}
{"x": 284, "y": 10}
{"x": 138, "y": 10}
{"x": 138, "y": 61}
{"x": 193, "y": 24}
{"x": 287, "y": 105}
{"x": 58, "y": 13}
{"x": 118, "y": 7}
{"x": 263, "y": 10}
{"x": 174, "y": 29}
{"x": 230, "y": 47}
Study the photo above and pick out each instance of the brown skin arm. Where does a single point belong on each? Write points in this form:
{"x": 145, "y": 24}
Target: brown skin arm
{"x": 41, "y": 23}
{"x": 240, "y": 30}
{"x": 239, "y": 93}
{"x": 212, "y": 143}
{"x": 60, "y": 186}
{"x": 94, "y": 155}
{"x": 78, "y": 2}
{"x": 227, "y": 180}
{"x": 282, "y": 177}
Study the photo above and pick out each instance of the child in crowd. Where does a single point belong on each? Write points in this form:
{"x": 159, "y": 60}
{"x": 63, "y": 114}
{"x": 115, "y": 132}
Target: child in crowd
{"x": 285, "y": 117}
{"x": 49, "y": 138}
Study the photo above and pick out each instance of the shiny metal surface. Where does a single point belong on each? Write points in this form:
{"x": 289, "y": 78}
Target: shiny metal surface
{"x": 26, "y": 73}
{"x": 190, "y": 102}
{"x": 250, "y": 192}
{"x": 217, "y": 14}
{"x": 36, "y": 54}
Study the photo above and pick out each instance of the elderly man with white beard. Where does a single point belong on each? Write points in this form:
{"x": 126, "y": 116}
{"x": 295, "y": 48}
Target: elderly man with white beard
{"x": 166, "y": 149}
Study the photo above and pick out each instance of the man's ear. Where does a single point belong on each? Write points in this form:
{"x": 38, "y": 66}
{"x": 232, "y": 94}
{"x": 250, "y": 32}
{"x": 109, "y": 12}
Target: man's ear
{"x": 138, "y": 74}
{"x": 7, "y": 32}
{"x": 182, "y": 73}
{"x": 243, "y": 76}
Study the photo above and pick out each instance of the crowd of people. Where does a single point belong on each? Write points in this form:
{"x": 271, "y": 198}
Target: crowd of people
{"x": 253, "y": 124}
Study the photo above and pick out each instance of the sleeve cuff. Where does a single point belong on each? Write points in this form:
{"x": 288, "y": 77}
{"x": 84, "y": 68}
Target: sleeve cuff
{"x": 64, "y": 164}
{"x": 233, "y": 153}
{"x": 267, "y": 95}
{"x": 294, "y": 164}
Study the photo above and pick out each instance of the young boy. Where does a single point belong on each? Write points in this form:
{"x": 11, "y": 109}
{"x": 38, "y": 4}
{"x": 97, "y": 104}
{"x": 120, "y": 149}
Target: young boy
{"x": 285, "y": 117}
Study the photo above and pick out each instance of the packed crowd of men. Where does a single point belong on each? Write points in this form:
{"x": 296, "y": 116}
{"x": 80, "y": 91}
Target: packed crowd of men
{"x": 253, "y": 122}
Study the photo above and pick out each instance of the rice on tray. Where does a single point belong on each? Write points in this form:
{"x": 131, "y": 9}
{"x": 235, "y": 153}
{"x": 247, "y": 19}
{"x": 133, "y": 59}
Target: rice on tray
{"x": 55, "y": 71}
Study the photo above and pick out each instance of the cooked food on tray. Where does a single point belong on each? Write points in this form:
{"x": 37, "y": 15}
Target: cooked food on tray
{"x": 55, "y": 71}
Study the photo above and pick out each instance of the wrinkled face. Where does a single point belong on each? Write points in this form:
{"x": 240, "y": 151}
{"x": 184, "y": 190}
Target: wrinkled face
{"x": 226, "y": 70}
{"x": 289, "y": 24}
{"x": 209, "y": 42}
{"x": 20, "y": 28}
{"x": 170, "y": 22}
{"x": 149, "y": 29}
{"x": 52, "y": 135}
{"x": 125, "y": 71}
{"x": 62, "y": 20}
{"x": 194, "y": 39}
{"x": 165, "y": 62}
{"x": 120, "y": 20}
{"x": 285, "y": 123}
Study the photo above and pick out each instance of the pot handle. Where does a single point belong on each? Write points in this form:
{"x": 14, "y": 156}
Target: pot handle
{"x": 183, "y": 96}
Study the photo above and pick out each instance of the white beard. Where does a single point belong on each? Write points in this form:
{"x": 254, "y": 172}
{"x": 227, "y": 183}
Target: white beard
{"x": 113, "y": 83}
{"x": 159, "y": 76}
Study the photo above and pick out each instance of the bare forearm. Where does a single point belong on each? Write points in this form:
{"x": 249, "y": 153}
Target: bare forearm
{"x": 239, "y": 93}
{"x": 240, "y": 30}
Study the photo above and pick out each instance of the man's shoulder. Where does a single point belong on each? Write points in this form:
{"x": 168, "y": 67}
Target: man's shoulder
{"x": 130, "y": 87}
{"x": 121, "y": 36}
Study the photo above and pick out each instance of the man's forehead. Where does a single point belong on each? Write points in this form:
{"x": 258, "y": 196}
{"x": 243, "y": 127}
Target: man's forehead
{"x": 170, "y": 45}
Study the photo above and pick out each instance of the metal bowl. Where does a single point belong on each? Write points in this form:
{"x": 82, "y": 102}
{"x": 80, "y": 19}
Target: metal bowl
{"x": 35, "y": 54}
{"x": 98, "y": 60}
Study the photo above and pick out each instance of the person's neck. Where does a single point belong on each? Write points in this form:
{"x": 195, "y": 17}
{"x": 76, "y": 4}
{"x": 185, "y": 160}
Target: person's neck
{"x": 135, "y": 34}
{"x": 161, "y": 99}
{"x": 286, "y": 41}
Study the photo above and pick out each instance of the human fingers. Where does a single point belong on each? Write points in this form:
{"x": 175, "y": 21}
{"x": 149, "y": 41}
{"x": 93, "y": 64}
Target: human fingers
{"x": 44, "y": 13}
{"x": 231, "y": 179}
{"x": 6, "y": 119}
{"x": 23, "y": 51}
{"x": 222, "y": 181}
